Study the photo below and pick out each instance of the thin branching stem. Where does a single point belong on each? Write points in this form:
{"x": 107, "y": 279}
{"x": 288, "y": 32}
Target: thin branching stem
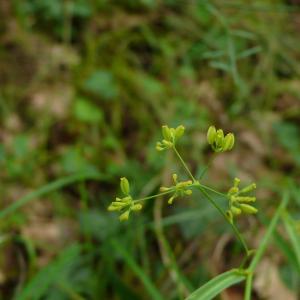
{"x": 234, "y": 228}
{"x": 184, "y": 165}
{"x": 212, "y": 190}
{"x": 153, "y": 196}
{"x": 213, "y": 202}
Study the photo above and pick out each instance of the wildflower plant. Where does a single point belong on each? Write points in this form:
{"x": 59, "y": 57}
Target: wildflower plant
{"x": 239, "y": 201}
{"x": 124, "y": 205}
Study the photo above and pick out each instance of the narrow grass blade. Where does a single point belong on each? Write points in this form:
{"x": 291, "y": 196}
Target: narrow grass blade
{"x": 49, "y": 275}
{"x": 249, "y": 52}
{"x": 286, "y": 250}
{"x": 216, "y": 285}
{"x": 264, "y": 243}
{"x": 182, "y": 284}
{"x": 50, "y": 187}
{"x": 293, "y": 235}
{"x": 149, "y": 286}
{"x": 283, "y": 245}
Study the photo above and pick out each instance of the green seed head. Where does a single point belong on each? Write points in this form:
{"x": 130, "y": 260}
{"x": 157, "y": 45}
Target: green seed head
{"x": 248, "y": 188}
{"x": 124, "y": 216}
{"x": 188, "y": 192}
{"x": 235, "y": 210}
{"x": 211, "y": 135}
{"x": 164, "y": 189}
{"x": 167, "y": 144}
{"x": 159, "y": 146}
{"x": 124, "y": 184}
{"x": 175, "y": 177}
{"x": 113, "y": 207}
{"x": 166, "y": 132}
{"x": 233, "y": 190}
{"x": 119, "y": 204}
{"x": 179, "y": 131}
{"x": 236, "y": 182}
{"x": 242, "y": 199}
{"x": 219, "y": 138}
{"x": 137, "y": 207}
{"x": 228, "y": 142}
{"x": 126, "y": 199}
{"x": 170, "y": 201}
{"x": 248, "y": 209}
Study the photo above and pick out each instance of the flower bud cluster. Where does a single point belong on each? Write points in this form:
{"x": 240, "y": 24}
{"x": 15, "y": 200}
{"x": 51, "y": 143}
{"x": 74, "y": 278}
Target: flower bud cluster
{"x": 238, "y": 203}
{"x": 179, "y": 188}
{"x": 170, "y": 136}
{"x": 126, "y": 204}
{"x": 218, "y": 141}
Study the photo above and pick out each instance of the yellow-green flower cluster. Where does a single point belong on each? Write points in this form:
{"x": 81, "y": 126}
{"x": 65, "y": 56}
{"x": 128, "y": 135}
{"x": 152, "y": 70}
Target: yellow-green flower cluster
{"x": 126, "y": 204}
{"x": 180, "y": 188}
{"x": 217, "y": 140}
{"x": 170, "y": 136}
{"x": 238, "y": 203}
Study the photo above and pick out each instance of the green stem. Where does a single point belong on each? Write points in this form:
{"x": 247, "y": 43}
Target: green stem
{"x": 234, "y": 228}
{"x": 212, "y": 190}
{"x": 184, "y": 164}
{"x": 154, "y": 196}
{"x": 173, "y": 190}
{"x": 248, "y": 288}
{"x": 203, "y": 191}
{"x": 193, "y": 178}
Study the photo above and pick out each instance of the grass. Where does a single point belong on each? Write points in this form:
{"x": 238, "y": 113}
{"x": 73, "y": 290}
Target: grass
{"x": 85, "y": 86}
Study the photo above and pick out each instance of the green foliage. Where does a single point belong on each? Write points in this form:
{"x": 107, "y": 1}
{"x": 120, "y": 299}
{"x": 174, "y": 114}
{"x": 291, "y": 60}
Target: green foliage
{"x": 215, "y": 286}
{"x": 236, "y": 205}
{"x": 85, "y": 86}
{"x": 288, "y": 135}
{"x": 129, "y": 260}
{"x": 53, "y": 13}
{"x": 294, "y": 236}
{"x": 50, "y": 187}
{"x": 53, "y": 274}
{"x": 87, "y": 112}
{"x": 102, "y": 84}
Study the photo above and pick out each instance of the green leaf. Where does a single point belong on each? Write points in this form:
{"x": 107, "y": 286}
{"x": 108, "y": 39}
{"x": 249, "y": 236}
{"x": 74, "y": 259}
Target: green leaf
{"x": 286, "y": 250}
{"x": 73, "y": 161}
{"x": 249, "y": 52}
{"x": 50, "y": 187}
{"x": 87, "y": 112}
{"x": 293, "y": 235}
{"x": 288, "y": 135}
{"x": 216, "y": 285}
{"x": 143, "y": 277}
{"x": 220, "y": 65}
{"x": 102, "y": 83}
{"x": 50, "y": 274}
{"x": 98, "y": 224}
{"x": 271, "y": 228}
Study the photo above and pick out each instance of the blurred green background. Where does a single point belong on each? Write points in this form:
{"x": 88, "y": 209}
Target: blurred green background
{"x": 84, "y": 89}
